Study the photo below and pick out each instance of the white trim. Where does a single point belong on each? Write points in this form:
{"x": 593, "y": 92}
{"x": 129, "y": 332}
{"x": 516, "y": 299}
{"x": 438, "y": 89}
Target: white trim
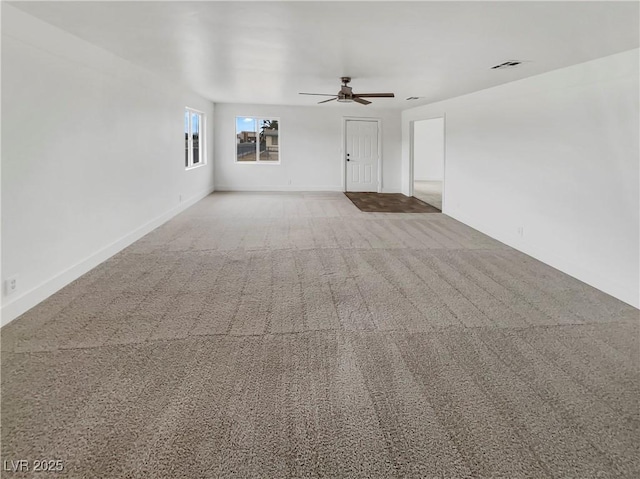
{"x": 344, "y": 147}
{"x": 287, "y": 188}
{"x": 444, "y": 153}
{"x": 11, "y": 310}
{"x": 257, "y": 160}
{"x": 195, "y": 166}
{"x": 444, "y": 160}
{"x": 411, "y": 155}
{"x": 194, "y": 109}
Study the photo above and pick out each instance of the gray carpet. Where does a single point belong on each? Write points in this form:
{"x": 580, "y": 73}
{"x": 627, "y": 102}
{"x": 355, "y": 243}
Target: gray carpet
{"x": 291, "y": 335}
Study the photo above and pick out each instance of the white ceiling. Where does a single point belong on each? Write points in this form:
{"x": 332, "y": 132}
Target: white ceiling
{"x": 266, "y": 52}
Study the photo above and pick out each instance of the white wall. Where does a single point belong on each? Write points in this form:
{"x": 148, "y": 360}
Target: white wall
{"x": 428, "y": 150}
{"x": 310, "y": 148}
{"x": 557, "y": 155}
{"x": 92, "y": 156}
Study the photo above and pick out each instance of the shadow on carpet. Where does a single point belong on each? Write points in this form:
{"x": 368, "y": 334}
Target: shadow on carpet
{"x": 390, "y": 203}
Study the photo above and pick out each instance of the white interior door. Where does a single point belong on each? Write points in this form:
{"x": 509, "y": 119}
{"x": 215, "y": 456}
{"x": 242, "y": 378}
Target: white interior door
{"x": 362, "y": 155}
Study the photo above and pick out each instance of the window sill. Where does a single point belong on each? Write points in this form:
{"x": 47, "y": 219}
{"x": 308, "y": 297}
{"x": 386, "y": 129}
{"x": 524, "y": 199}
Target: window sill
{"x": 193, "y": 167}
{"x": 257, "y": 162}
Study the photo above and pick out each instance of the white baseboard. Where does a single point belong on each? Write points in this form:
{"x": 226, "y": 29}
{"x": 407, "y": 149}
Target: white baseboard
{"x": 609, "y": 285}
{"x": 289, "y": 188}
{"x": 29, "y": 299}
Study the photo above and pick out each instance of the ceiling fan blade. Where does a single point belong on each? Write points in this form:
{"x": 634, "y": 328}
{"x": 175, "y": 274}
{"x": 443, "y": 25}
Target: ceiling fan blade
{"x": 325, "y": 101}
{"x": 374, "y": 95}
{"x": 360, "y": 100}
{"x": 319, "y": 94}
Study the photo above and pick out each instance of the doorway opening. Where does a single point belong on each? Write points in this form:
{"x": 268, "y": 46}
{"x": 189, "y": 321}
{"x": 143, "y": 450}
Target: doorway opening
{"x": 362, "y": 152}
{"x": 427, "y": 157}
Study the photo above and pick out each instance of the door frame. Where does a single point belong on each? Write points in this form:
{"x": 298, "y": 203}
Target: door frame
{"x": 444, "y": 152}
{"x": 344, "y": 148}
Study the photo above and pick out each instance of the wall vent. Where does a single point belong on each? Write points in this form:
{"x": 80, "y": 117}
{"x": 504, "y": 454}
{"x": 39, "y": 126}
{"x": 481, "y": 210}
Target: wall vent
{"x": 509, "y": 64}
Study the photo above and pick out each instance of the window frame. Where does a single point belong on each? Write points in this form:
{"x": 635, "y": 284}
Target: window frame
{"x": 202, "y": 147}
{"x": 257, "y": 161}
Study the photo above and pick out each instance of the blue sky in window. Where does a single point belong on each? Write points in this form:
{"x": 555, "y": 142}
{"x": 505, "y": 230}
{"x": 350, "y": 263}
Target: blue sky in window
{"x": 245, "y": 124}
{"x": 195, "y": 122}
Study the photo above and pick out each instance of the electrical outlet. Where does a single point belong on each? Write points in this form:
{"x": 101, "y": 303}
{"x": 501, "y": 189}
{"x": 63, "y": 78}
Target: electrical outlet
{"x": 10, "y": 285}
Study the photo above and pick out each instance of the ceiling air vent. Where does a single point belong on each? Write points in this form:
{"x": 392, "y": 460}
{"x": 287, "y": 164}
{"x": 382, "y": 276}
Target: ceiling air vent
{"x": 509, "y": 64}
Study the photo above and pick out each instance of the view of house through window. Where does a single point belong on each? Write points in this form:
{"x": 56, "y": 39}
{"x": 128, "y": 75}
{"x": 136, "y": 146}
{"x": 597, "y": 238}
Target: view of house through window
{"x": 193, "y": 138}
{"x": 257, "y": 140}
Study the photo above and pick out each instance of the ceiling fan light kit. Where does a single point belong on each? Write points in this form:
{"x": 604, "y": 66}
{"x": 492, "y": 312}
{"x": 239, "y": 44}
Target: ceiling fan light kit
{"x": 346, "y": 95}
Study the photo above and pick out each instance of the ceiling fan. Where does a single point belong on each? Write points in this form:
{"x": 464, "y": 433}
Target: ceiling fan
{"x": 346, "y": 95}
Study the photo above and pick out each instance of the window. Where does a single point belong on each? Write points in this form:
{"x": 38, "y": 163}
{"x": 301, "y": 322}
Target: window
{"x": 257, "y": 140}
{"x": 194, "y": 128}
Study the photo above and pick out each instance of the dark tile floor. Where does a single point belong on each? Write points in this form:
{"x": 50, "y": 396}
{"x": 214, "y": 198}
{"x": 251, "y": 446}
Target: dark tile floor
{"x": 390, "y": 203}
